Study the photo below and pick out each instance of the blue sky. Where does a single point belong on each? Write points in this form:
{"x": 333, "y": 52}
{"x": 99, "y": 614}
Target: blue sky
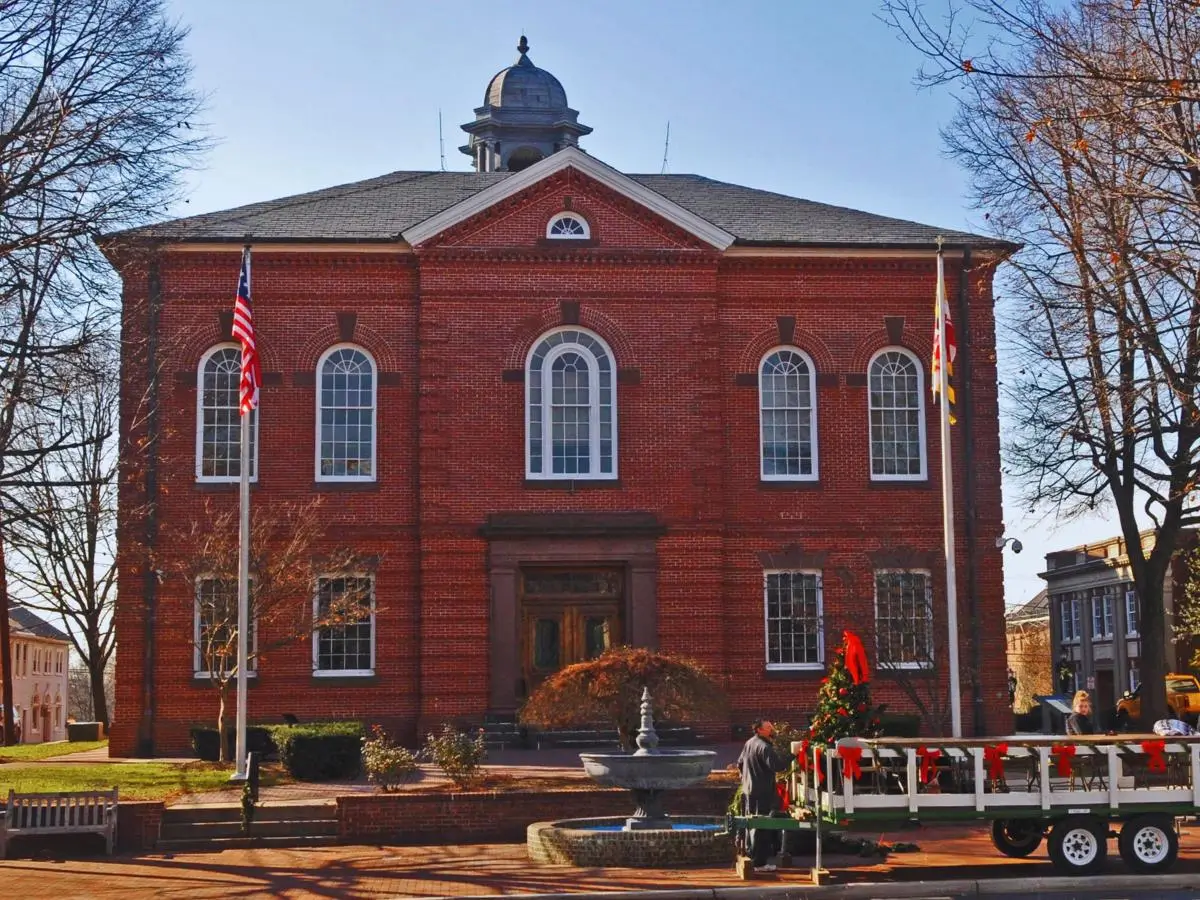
{"x": 807, "y": 98}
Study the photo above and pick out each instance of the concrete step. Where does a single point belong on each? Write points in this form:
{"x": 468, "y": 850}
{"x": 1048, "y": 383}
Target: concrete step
{"x": 237, "y": 843}
{"x": 207, "y": 831}
{"x": 270, "y": 811}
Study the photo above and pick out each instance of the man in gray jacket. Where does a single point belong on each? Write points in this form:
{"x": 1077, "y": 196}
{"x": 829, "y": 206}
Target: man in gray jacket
{"x": 759, "y": 763}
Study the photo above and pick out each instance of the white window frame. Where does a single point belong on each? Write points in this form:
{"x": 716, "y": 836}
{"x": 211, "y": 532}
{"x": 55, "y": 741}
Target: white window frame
{"x": 254, "y": 416}
{"x": 316, "y": 633}
{"x": 812, "y": 411}
{"x": 568, "y": 214}
{"x": 197, "y": 663}
{"x": 1102, "y": 616}
{"x": 817, "y": 666}
{"x": 548, "y": 473}
{"x": 915, "y": 665}
{"x": 345, "y": 345}
{"x": 1135, "y": 676}
{"x": 921, "y": 414}
{"x": 1132, "y": 611}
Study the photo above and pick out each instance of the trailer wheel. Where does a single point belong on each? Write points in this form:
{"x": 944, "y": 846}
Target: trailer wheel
{"x": 1149, "y": 843}
{"x": 1079, "y": 845}
{"x": 1017, "y": 837}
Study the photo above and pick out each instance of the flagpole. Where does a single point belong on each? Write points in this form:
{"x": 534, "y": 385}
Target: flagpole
{"x": 948, "y": 499}
{"x": 243, "y": 648}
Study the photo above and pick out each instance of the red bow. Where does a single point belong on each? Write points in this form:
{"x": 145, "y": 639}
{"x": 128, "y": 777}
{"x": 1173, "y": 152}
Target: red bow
{"x": 928, "y": 759}
{"x": 851, "y": 757}
{"x": 994, "y": 757}
{"x": 1063, "y": 753}
{"x": 805, "y": 765}
{"x": 1155, "y": 750}
{"x": 856, "y": 658}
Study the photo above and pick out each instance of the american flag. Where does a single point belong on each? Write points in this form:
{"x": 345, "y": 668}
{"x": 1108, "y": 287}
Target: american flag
{"x": 243, "y": 331}
{"x": 942, "y": 307}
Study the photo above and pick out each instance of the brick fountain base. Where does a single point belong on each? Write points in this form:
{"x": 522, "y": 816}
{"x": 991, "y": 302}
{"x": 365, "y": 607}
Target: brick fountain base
{"x": 570, "y": 842}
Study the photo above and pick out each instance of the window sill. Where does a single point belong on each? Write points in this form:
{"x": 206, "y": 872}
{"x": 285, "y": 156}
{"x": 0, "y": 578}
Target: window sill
{"x": 346, "y": 486}
{"x": 206, "y": 678}
{"x": 340, "y": 678}
{"x": 906, "y": 669}
{"x": 788, "y": 673}
{"x": 798, "y": 484}
{"x": 571, "y": 485}
{"x": 899, "y": 484}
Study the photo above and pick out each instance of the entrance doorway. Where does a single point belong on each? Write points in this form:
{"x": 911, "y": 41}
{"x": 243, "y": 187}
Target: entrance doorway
{"x": 567, "y": 616}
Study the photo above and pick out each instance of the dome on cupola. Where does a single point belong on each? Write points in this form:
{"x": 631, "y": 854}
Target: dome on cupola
{"x": 524, "y": 118}
{"x": 524, "y": 86}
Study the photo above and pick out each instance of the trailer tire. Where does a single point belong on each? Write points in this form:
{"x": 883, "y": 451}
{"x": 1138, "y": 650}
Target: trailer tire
{"x": 1017, "y": 837}
{"x": 1079, "y": 845}
{"x": 1149, "y": 843}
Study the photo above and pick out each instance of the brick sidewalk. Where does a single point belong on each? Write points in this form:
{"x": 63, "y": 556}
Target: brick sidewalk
{"x": 487, "y": 869}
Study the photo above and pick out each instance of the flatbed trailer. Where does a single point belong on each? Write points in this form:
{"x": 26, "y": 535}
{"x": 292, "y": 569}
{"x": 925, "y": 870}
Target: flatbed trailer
{"x": 1074, "y": 792}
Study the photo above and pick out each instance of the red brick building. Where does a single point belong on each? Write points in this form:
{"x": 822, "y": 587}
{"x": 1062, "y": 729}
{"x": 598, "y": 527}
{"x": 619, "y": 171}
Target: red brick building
{"x": 560, "y": 408}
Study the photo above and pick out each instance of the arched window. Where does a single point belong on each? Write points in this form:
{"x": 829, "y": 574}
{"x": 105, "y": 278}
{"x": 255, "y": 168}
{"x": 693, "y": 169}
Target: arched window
{"x": 345, "y": 415}
{"x": 568, "y": 226}
{"x": 571, "y": 407}
{"x": 218, "y": 419}
{"x": 787, "y": 416}
{"x": 897, "y": 411}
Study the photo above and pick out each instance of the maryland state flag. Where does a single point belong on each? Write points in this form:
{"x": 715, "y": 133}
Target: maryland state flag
{"x": 941, "y": 319}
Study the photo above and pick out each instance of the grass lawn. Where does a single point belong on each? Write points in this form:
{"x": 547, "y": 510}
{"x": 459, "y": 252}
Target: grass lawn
{"x": 136, "y": 781}
{"x": 31, "y": 752}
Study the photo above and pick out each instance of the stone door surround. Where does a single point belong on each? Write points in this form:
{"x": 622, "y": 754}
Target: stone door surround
{"x": 565, "y": 539}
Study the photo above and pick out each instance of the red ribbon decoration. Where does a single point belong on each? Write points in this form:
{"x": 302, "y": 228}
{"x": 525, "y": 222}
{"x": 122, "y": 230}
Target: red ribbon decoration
{"x": 994, "y": 757}
{"x": 928, "y": 759}
{"x": 851, "y": 757}
{"x": 781, "y": 789}
{"x": 1063, "y": 753}
{"x": 820, "y": 770}
{"x": 802, "y": 756}
{"x": 1155, "y": 750}
{"x": 856, "y": 658}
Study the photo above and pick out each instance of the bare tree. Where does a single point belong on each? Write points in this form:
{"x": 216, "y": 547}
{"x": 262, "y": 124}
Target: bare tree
{"x": 285, "y": 561}
{"x": 1031, "y": 658}
{"x": 1078, "y": 125}
{"x": 64, "y": 546}
{"x": 79, "y": 693}
{"x": 95, "y": 129}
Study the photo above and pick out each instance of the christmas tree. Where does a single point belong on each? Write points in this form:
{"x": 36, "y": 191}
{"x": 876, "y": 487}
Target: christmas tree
{"x": 844, "y": 707}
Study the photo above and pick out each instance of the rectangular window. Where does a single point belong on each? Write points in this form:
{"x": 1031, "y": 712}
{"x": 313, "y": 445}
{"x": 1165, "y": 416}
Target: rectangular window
{"x": 1102, "y": 615}
{"x": 1132, "y": 618}
{"x": 215, "y": 629}
{"x": 904, "y": 619}
{"x": 792, "y": 607}
{"x": 1069, "y": 618}
{"x": 1135, "y": 676}
{"x": 344, "y": 637}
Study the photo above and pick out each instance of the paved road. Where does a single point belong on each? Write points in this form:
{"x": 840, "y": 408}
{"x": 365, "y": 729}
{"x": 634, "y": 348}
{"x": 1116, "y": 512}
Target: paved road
{"x": 1068, "y": 895}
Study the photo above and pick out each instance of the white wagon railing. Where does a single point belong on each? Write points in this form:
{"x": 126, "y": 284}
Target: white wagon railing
{"x": 1067, "y": 788}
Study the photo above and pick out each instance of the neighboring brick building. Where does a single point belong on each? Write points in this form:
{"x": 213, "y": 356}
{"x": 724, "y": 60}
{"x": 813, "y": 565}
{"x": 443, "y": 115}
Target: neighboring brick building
{"x": 450, "y": 318}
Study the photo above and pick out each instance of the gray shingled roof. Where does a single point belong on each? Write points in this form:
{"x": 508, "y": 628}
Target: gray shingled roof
{"x": 22, "y": 619}
{"x": 381, "y": 209}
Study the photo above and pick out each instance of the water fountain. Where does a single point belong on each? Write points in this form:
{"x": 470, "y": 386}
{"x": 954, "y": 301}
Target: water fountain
{"x": 649, "y": 837}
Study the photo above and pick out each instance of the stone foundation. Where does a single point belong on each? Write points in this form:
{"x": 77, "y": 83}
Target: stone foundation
{"x": 566, "y": 842}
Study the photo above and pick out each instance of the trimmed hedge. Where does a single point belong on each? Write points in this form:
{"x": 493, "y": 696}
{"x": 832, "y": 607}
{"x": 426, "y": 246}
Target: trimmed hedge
{"x": 205, "y": 742}
{"x": 321, "y": 751}
{"x": 900, "y": 725}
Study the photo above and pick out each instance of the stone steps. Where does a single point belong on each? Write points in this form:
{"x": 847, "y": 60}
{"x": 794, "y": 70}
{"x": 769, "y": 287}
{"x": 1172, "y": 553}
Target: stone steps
{"x": 241, "y": 843}
{"x": 212, "y": 826}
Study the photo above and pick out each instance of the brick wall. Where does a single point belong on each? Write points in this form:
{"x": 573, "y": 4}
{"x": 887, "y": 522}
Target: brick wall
{"x": 138, "y": 825}
{"x": 482, "y": 818}
{"x": 444, "y": 324}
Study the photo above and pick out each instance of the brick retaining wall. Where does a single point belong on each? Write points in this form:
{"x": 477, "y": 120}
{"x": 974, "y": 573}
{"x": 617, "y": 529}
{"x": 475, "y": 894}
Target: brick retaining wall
{"x": 138, "y": 824}
{"x": 412, "y": 818}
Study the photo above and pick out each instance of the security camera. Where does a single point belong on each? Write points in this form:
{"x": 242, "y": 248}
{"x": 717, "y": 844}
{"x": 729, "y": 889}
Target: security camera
{"x": 1017, "y": 546}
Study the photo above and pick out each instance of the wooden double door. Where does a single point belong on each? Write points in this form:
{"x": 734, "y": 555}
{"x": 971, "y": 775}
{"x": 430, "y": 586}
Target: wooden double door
{"x": 568, "y": 616}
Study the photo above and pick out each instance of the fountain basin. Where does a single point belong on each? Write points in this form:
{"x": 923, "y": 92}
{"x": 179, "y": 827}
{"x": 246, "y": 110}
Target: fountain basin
{"x": 695, "y": 841}
{"x": 663, "y": 770}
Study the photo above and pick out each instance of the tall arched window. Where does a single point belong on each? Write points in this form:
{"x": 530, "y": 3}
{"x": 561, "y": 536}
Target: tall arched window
{"x": 897, "y": 410}
{"x": 571, "y": 407}
{"x": 218, "y": 419}
{"x": 787, "y": 416}
{"x": 345, "y": 415}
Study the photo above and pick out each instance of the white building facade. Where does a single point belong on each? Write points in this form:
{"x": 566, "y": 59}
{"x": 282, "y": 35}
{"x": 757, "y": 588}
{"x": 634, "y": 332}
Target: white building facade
{"x": 40, "y": 662}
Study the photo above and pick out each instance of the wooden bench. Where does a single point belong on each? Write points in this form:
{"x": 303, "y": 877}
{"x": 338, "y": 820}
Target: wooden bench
{"x": 82, "y": 812}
